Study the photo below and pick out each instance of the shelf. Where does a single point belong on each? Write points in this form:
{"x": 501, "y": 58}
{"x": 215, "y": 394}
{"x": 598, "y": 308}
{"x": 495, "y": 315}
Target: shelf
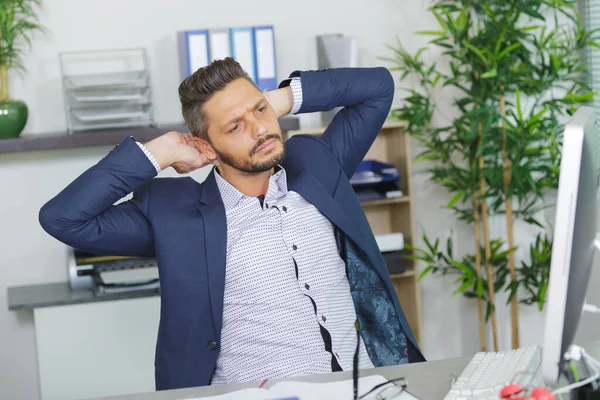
{"x": 388, "y": 124}
{"x": 107, "y": 137}
{"x": 383, "y": 202}
{"x": 406, "y": 274}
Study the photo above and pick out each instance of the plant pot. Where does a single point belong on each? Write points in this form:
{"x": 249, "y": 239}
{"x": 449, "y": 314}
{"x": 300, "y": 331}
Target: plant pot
{"x": 13, "y": 117}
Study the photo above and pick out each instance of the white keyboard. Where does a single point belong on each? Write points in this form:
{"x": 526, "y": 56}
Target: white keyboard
{"x": 487, "y": 373}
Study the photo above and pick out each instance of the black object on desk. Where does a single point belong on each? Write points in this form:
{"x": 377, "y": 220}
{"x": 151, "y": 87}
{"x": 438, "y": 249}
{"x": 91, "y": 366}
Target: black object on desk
{"x": 585, "y": 393}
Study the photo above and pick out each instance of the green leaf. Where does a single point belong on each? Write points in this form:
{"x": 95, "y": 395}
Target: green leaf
{"x": 508, "y": 50}
{"x": 462, "y": 267}
{"x": 463, "y": 287}
{"x": 534, "y": 119}
{"x": 476, "y": 51}
{"x": 454, "y": 199}
{"x": 429, "y": 156}
{"x": 425, "y": 272}
{"x": 533, "y": 221}
{"x": 555, "y": 61}
{"x": 529, "y": 28}
{"x": 418, "y": 53}
{"x": 542, "y": 298}
{"x": 480, "y": 288}
{"x": 533, "y": 13}
{"x": 490, "y": 74}
{"x": 593, "y": 44}
{"x": 461, "y": 21}
{"x": 518, "y": 98}
{"x": 431, "y": 33}
{"x": 440, "y": 20}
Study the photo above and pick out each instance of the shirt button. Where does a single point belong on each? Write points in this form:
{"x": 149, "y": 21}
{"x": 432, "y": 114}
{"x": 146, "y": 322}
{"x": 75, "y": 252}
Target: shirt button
{"x": 284, "y": 208}
{"x": 212, "y": 345}
{"x": 323, "y": 318}
{"x": 307, "y": 286}
{"x": 267, "y": 205}
{"x": 295, "y": 247}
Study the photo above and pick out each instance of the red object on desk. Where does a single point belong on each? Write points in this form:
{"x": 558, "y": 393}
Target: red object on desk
{"x": 511, "y": 390}
{"x": 263, "y": 383}
{"x": 540, "y": 393}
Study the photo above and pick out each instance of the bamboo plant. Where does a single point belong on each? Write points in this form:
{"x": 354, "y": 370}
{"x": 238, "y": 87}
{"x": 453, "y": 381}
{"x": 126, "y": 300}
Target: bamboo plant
{"x": 517, "y": 70}
{"x": 18, "y": 20}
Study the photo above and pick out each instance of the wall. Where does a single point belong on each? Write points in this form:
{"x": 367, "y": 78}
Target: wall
{"x": 30, "y": 256}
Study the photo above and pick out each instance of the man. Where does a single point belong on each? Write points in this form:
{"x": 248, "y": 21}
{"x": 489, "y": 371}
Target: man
{"x": 268, "y": 266}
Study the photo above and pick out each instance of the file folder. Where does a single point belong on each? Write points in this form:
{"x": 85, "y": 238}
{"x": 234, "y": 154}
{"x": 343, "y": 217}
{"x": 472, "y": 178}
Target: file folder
{"x": 242, "y": 49}
{"x": 194, "y": 51}
{"x": 264, "y": 45}
{"x": 374, "y": 180}
{"x": 220, "y": 44}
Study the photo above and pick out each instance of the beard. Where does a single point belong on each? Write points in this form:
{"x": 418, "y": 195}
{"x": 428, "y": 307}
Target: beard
{"x": 249, "y": 165}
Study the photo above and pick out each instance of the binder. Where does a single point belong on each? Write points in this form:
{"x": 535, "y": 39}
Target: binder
{"x": 220, "y": 44}
{"x": 242, "y": 49}
{"x": 194, "y": 51}
{"x": 264, "y": 47}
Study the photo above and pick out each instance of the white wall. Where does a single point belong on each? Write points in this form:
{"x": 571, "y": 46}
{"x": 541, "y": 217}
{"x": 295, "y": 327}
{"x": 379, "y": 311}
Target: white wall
{"x": 29, "y": 256}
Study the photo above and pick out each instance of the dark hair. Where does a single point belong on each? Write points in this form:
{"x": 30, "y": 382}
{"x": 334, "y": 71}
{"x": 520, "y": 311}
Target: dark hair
{"x": 198, "y": 88}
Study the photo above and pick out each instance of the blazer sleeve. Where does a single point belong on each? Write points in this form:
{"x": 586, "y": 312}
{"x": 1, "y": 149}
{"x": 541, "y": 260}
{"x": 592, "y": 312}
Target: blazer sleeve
{"x": 366, "y": 96}
{"x": 84, "y": 214}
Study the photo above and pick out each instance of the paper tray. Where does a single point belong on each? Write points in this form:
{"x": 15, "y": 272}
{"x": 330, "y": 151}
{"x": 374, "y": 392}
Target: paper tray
{"x": 110, "y": 80}
{"x": 119, "y": 95}
{"x": 112, "y": 114}
{"x": 371, "y": 172}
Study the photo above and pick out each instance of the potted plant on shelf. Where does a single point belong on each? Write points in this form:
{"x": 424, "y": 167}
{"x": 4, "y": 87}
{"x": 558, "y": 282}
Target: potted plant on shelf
{"x": 18, "y": 20}
{"x": 516, "y": 72}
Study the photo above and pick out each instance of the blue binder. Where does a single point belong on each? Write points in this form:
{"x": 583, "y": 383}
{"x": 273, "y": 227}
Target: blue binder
{"x": 194, "y": 51}
{"x": 242, "y": 49}
{"x": 264, "y": 48}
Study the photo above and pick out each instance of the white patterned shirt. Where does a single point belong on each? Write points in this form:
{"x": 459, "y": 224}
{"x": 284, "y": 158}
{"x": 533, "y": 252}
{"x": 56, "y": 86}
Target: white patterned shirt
{"x": 273, "y": 316}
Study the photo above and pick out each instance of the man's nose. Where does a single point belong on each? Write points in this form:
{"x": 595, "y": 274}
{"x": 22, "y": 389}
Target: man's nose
{"x": 258, "y": 129}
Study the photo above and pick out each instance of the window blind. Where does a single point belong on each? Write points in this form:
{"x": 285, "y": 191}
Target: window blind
{"x": 590, "y": 16}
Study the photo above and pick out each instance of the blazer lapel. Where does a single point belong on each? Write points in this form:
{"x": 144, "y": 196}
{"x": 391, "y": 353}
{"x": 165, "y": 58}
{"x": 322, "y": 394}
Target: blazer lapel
{"x": 215, "y": 238}
{"x": 307, "y": 186}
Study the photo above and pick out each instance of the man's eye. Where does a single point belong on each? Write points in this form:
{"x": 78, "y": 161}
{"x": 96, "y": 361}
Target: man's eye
{"x": 262, "y": 109}
{"x": 235, "y": 128}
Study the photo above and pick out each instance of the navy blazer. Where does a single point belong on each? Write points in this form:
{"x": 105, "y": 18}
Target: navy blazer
{"x": 182, "y": 223}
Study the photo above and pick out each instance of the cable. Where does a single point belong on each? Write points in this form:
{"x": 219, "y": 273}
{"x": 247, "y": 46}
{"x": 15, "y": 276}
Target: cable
{"x": 594, "y": 364}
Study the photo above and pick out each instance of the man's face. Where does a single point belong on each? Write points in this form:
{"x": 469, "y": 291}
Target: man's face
{"x": 243, "y": 129}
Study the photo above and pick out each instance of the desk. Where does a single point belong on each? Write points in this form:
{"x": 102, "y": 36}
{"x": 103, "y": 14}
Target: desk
{"x": 84, "y": 340}
{"x": 427, "y": 381}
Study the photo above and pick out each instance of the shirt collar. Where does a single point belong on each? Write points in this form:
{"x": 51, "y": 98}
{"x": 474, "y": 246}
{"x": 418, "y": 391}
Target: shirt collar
{"x": 232, "y": 196}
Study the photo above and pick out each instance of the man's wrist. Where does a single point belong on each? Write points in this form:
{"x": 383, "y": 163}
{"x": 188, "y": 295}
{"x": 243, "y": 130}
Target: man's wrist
{"x": 295, "y": 84}
{"x": 160, "y": 151}
{"x": 281, "y": 100}
{"x": 150, "y": 157}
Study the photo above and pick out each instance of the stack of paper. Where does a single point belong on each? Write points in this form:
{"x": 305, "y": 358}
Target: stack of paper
{"x": 291, "y": 390}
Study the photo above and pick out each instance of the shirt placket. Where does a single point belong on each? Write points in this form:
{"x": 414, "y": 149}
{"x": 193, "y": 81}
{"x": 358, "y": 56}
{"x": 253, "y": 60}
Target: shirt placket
{"x": 292, "y": 239}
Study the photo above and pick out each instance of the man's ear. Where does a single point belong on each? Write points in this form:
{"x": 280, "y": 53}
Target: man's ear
{"x": 206, "y": 149}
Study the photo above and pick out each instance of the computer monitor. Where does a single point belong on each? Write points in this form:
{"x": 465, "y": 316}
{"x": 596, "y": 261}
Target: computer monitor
{"x": 574, "y": 235}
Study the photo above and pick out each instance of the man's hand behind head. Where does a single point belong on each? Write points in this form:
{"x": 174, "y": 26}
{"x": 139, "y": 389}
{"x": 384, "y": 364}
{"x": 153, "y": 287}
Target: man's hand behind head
{"x": 178, "y": 150}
